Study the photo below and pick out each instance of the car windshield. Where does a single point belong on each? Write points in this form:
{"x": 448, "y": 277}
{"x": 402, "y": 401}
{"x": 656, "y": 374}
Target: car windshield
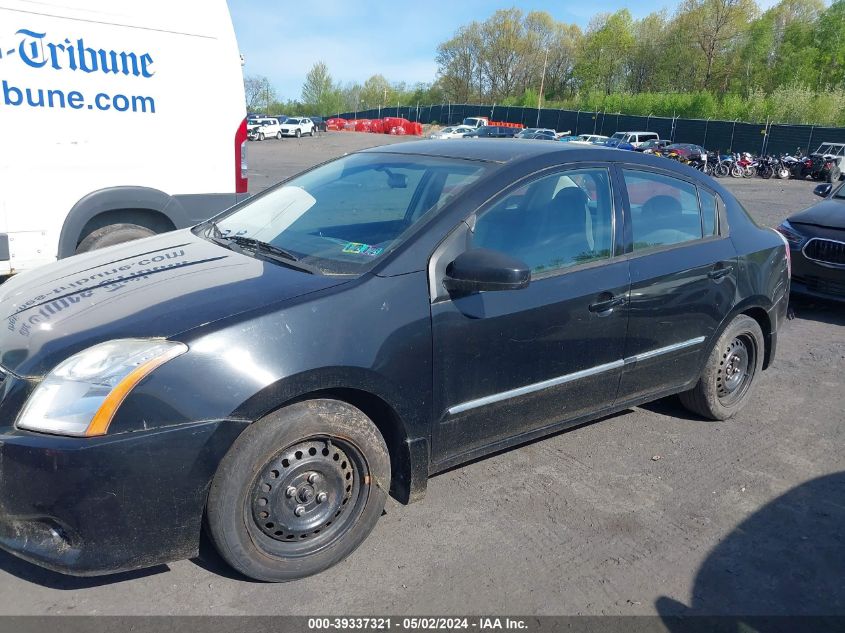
{"x": 293, "y": 121}
{"x": 619, "y": 135}
{"x": 447, "y": 130}
{"x": 343, "y": 216}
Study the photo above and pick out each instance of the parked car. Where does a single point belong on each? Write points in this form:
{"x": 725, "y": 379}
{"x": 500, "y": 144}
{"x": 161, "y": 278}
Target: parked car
{"x": 652, "y": 146}
{"x": 590, "y": 139}
{"x": 568, "y": 138}
{"x": 529, "y": 132}
{"x": 281, "y": 118}
{"x": 453, "y": 131}
{"x": 634, "y": 139}
{"x": 264, "y": 128}
{"x": 297, "y": 126}
{"x": 816, "y": 238}
{"x": 492, "y": 131}
{"x": 319, "y": 123}
{"x": 491, "y": 293}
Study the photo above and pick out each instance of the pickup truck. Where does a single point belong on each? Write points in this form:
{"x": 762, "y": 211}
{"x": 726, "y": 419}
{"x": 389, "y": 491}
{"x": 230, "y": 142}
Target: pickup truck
{"x": 481, "y": 121}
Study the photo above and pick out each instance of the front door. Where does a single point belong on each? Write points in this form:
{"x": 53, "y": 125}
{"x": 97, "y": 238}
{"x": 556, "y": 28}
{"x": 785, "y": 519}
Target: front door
{"x": 508, "y": 363}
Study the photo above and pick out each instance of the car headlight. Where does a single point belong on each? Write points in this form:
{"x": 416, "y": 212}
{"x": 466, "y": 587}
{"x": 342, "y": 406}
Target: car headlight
{"x": 80, "y": 396}
{"x": 792, "y": 236}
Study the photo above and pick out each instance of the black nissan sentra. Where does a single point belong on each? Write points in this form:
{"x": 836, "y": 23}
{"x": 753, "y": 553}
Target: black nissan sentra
{"x": 271, "y": 375}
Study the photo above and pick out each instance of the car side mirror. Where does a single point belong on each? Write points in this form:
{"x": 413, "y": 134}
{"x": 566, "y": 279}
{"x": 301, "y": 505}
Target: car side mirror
{"x": 823, "y": 190}
{"x": 482, "y": 269}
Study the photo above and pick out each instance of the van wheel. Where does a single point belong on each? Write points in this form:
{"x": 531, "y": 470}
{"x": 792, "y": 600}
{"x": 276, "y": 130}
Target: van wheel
{"x": 298, "y": 491}
{"x": 111, "y": 235}
{"x": 734, "y": 362}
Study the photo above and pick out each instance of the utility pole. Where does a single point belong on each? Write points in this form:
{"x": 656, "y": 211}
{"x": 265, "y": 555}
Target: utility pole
{"x": 542, "y": 84}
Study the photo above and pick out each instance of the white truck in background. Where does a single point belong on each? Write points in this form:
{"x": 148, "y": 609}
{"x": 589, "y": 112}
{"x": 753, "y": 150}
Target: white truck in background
{"x": 118, "y": 120}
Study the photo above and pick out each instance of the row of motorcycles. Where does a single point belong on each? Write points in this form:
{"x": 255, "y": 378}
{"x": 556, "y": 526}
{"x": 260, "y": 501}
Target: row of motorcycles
{"x": 744, "y": 165}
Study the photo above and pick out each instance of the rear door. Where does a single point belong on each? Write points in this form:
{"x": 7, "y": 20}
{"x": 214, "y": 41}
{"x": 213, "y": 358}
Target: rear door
{"x": 683, "y": 279}
{"x": 508, "y": 363}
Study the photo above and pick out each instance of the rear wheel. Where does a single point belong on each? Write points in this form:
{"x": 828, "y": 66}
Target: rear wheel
{"x": 734, "y": 362}
{"x": 299, "y": 491}
{"x": 111, "y": 235}
{"x": 783, "y": 173}
{"x": 766, "y": 172}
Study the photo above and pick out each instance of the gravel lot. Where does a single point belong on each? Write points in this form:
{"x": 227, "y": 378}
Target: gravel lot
{"x": 648, "y": 511}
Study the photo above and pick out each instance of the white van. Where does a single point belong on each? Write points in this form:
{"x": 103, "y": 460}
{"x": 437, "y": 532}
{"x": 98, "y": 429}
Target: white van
{"x": 117, "y": 120}
{"x": 635, "y": 138}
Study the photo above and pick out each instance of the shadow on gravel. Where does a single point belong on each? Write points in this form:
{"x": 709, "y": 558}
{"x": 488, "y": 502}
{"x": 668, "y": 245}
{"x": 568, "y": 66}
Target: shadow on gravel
{"x": 820, "y": 310}
{"x": 787, "y": 559}
{"x": 672, "y": 407}
{"x": 211, "y": 561}
{"x": 52, "y": 580}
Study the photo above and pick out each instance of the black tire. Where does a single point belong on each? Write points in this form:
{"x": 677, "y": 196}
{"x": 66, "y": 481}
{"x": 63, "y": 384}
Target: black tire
{"x": 278, "y": 532}
{"x": 766, "y": 172}
{"x": 111, "y": 235}
{"x": 734, "y": 362}
{"x": 279, "y": 135}
{"x": 261, "y": 136}
{"x": 298, "y": 132}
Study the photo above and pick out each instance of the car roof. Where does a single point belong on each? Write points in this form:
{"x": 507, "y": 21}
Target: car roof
{"x": 491, "y": 150}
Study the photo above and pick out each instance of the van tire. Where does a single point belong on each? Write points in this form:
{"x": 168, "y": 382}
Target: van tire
{"x": 111, "y": 235}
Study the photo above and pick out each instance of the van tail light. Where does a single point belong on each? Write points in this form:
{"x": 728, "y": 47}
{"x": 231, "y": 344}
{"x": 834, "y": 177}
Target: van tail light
{"x": 240, "y": 159}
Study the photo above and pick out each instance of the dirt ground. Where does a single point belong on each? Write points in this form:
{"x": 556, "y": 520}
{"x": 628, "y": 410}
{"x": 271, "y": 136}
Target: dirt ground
{"x": 648, "y": 511}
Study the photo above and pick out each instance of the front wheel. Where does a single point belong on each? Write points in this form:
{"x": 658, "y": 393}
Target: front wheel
{"x": 261, "y": 136}
{"x": 279, "y": 135}
{"x": 298, "y": 133}
{"x": 783, "y": 173}
{"x": 734, "y": 362}
{"x": 299, "y": 491}
{"x": 111, "y": 235}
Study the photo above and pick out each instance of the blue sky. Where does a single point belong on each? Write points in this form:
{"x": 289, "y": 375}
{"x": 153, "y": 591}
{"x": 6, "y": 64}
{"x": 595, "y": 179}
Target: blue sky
{"x": 282, "y": 40}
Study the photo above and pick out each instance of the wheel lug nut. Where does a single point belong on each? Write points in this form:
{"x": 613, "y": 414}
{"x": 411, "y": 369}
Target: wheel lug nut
{"x": 290, "y": 492}
{"x": 300, "y": 510}
{"x": 313, "y": 477}
{"x": 322, "y": 497}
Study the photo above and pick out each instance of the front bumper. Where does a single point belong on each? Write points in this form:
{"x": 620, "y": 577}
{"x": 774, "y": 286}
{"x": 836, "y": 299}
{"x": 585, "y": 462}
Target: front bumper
{"x": 90, "y": 506}
{"x": 815, "y": 280}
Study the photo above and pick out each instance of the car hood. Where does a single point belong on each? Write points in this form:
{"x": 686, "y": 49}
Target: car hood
{"x": 156, "y": 287}
{"x": 829, "y": 213}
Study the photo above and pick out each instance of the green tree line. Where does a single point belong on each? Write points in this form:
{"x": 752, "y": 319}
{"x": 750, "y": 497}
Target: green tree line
{"x": 721, "y": 59}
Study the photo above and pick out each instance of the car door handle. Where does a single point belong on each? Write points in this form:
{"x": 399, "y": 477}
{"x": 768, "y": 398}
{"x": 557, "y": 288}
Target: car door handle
{"x": 719, "y": 273}
{"x": 606, "y": 306}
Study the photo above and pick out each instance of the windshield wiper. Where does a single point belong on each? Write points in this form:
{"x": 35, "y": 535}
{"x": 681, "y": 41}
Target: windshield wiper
{"x": 258, "y": 247}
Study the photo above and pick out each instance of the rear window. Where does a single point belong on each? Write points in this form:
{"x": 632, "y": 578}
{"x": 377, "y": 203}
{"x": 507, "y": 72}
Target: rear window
{"x": 664, "y": 210}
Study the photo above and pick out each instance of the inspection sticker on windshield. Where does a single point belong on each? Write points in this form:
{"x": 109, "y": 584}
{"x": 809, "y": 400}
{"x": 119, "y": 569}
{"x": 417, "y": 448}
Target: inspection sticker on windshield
{"x": 362, "y": 249}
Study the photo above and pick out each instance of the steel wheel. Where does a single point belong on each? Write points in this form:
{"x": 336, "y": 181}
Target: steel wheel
{"x": 306, "y": 497}
{"x": 736, "y": 370}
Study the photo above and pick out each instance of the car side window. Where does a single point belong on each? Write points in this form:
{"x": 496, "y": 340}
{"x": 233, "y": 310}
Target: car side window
{"x": 553, "y": 223}
{"x": 708, "y": 212}
{"x": 664, "y": 210}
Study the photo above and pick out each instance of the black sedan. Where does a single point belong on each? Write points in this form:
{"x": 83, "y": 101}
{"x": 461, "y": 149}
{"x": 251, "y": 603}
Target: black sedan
{"x": 816, "y": 239}
{"x": 274, "y": 373}
{"x": 493, "y": 131}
